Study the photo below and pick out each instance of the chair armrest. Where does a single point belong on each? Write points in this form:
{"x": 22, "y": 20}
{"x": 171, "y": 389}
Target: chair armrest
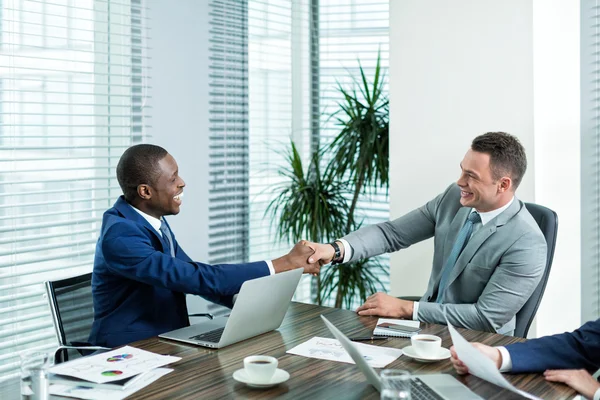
{"x": 207, "y": 315}
{"x": 78, "y": 348}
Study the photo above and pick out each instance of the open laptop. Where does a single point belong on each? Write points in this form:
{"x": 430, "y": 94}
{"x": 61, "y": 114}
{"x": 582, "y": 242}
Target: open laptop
{"x": 433, "y": 386}
{"x": 259, "y": 308}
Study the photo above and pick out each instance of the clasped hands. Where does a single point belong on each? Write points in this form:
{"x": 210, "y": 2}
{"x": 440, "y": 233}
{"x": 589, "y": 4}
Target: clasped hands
{"x": 311, "y": 256}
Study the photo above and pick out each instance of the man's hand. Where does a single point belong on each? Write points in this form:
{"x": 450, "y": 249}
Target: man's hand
{"x": 384, "y": 305}
{"x": 578, "y": 379}
{"x": 490, "y": 352}
{"x": 323, "y": 252}
{"x": 297, "y": 258}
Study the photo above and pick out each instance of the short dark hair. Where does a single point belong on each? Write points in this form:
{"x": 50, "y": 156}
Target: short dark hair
{"x": 507, "y": 155}
{"x": 139, "y": 165}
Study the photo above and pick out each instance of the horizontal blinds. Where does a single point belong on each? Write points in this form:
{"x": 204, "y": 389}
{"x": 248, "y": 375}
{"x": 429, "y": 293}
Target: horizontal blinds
{"x": 72, "y": 98}
{"x": 279, "y": 110}
{"x": 228, "y": 137}
{"x": 352, "y": 31}
{"x": 590, "y": 159}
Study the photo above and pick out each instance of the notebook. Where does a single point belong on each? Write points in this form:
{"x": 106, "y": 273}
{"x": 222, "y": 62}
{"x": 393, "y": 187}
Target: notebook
{"x": 390, "y": 332}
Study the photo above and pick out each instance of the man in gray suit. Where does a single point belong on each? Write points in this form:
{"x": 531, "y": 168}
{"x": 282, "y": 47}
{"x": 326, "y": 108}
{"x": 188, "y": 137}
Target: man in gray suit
{"x": 489, "y": 252}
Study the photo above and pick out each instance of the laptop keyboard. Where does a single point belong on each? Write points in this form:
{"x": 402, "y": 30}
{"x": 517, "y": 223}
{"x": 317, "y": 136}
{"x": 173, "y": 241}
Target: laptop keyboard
{"x": 211, "y": 336}
{"x": 420, "y": 391}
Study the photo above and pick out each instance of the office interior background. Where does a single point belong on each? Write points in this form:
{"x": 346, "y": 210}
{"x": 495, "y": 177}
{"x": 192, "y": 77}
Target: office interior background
{"x": 224, "y": 85}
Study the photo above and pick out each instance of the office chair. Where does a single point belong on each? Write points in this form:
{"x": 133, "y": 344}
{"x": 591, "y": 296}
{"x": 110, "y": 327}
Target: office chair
{"x": 547, "y": 220}
{"x": 72, "y": 311}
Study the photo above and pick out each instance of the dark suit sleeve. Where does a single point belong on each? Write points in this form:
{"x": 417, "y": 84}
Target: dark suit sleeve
{"x": 129, "y": 252}
{"x": 574, "y": 350}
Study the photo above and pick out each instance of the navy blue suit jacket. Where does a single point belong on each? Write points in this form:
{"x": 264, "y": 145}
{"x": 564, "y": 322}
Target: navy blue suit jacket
{"x": 139, "y": 289}
{"x": 579, "y": 349}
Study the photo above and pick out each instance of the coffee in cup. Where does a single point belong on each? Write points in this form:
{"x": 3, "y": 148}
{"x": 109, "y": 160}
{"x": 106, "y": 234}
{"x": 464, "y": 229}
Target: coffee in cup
{"x": 426, "y": 345}
{"x": 260, "y": 369}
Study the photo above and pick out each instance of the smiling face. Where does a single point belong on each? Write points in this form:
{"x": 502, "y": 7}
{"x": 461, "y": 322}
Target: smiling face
{"x": 164, "y": 196}
{"x": 478, "y": 187}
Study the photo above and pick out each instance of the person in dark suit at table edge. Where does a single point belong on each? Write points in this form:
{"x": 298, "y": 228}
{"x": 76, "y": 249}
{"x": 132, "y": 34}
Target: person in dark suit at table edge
{"x": 568, "y": 357}
{"x": 489, "y": 253}
{"x": 141, "y": 274}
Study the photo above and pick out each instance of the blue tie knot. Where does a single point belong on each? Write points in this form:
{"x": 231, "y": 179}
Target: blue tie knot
{"x": 474, "y": 217}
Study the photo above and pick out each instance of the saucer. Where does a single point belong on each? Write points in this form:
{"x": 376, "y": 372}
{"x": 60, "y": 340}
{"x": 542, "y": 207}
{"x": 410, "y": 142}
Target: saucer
{"x": 278, "y": 377}
{"x": 442, "y": 355}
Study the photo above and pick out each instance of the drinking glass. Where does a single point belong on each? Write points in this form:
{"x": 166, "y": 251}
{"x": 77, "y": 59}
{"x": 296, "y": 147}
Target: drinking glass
{"x": 395, "y": 384}
{"x": 34, "y": 375}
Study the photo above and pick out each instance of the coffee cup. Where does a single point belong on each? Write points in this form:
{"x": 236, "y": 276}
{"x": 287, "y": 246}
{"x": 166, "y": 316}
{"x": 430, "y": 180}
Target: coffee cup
{"x": 260, "y": 369}
{"x": 426, "y": 345}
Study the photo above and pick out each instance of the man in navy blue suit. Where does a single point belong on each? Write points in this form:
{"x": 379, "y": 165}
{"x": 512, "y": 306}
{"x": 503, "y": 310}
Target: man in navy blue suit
{"x": 569, "y": 358}
{"x": 141, "y": 275}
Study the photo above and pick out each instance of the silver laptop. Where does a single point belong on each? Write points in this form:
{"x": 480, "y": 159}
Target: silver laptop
{"x": 432, "y": 386}
{"x": 259, "y": 308}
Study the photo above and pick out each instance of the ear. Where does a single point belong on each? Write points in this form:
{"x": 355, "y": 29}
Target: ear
{"x": 144, "y": 191}
{"x": 505, "y": 184}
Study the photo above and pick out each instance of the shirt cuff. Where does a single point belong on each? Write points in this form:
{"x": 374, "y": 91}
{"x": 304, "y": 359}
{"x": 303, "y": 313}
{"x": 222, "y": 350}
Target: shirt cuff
{"x": 347, "y": 250}
{"x": 506, "y": 365}
{"x": 270, "y": 265}
{"x": 415, "y": 316}
{"x": 597, "y": 395}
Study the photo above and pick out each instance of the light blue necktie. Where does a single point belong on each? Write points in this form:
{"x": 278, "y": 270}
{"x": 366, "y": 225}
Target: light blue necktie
{"x": 167, "y": 235}
{"x": 461, "y": 241}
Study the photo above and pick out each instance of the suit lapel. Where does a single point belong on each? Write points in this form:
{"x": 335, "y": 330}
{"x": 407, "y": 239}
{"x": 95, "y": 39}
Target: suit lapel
{"x": 480, "y": 237}
{"x": 457, "y": 223}
{"x": 129, "y": 213}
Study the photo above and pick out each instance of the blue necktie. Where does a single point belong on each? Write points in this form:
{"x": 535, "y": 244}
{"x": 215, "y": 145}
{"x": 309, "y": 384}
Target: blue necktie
{"x": 459, "y": 245}
{"x": 167, "y": 235}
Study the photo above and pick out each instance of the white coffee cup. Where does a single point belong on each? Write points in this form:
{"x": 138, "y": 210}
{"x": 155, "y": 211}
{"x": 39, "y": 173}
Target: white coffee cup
{"x": 426, "y": 345}
{"x": 260, "y": 369}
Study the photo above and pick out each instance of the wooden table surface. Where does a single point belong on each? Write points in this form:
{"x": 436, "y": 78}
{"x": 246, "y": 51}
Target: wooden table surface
{"x": 205, "y": 373}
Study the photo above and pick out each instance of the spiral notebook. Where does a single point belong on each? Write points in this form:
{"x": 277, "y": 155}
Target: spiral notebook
{"x": 390, "y": 332}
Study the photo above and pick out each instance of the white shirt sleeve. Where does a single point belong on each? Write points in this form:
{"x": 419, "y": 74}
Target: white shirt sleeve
{"x": 347, "y": 250}
{"x": 416, "y": 311}
{"x": 270, "y": 265}
{"x": 597, "y": 395}
{"x": 506, "y": 365}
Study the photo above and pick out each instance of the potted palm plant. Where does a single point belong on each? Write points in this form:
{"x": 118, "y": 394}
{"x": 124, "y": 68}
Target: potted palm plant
{"x": 321, "y": 204}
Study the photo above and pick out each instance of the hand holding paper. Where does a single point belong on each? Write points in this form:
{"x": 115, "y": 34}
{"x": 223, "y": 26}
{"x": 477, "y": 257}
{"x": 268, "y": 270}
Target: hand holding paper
{"x": 480, "y": 365}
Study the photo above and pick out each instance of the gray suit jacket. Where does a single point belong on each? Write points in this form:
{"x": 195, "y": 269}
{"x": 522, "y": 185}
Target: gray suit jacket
{"x": 496, "y": 273}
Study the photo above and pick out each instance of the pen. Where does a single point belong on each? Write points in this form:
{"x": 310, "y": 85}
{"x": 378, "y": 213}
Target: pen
{"x": 355, "y": 339}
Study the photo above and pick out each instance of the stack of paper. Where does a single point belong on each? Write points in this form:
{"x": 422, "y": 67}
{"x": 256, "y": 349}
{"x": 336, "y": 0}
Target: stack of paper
{"x": 115, "y": 374}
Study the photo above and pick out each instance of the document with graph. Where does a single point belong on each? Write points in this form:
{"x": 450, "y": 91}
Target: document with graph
{"x": 331, "y": 349}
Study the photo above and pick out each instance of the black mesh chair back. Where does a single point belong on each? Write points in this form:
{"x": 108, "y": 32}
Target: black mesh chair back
{"x": 72, "y": 311}
{"x": 547, "y": 220}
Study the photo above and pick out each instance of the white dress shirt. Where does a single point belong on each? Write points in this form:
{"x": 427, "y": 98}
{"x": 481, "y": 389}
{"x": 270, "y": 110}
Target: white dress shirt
{"x": 506, "y": 366}
{"x": 155, "y": 223}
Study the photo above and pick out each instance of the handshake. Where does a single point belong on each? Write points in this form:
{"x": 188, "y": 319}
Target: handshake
{"x": 308, "y": 255}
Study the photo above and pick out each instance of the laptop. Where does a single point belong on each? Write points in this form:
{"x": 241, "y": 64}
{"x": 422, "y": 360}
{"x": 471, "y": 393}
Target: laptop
{"x": 433, "y": 386}
{"x": 259, "y": 308}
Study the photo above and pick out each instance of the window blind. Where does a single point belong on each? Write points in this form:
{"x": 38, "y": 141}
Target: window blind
{"x": 72, "y": 99}
{"x": 228, "y": 130}
{"x": 279, "y": 68}
{"x": 590, "y": 159}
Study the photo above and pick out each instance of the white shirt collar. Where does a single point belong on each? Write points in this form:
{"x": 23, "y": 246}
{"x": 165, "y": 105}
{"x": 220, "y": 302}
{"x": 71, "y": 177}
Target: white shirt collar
{"x": 154, "y": 222}
{"x": 490, "y": 215}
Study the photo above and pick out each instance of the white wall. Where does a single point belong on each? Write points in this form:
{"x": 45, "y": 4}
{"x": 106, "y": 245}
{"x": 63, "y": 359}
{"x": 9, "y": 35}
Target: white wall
{"x": 556, "y": 74}
{"x": 457, "y": 69}
{"x": 179, "y": 62}
{"x": 462, "y": 68}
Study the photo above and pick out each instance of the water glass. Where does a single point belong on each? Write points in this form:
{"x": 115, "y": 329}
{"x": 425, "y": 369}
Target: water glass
{"x": 395, "y": 384}
{"x": 34, "y": 375}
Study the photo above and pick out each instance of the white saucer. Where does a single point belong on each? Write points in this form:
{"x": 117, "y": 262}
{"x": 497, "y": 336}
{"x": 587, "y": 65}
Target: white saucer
{"x": 442, "y": 355}
{"x": 278, "y": 377}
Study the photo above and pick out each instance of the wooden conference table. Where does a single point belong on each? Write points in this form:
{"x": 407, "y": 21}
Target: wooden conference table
{"x": 205, "y": 373}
